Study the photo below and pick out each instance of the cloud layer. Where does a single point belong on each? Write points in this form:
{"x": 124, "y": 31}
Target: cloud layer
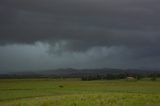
{"x": 80, "y": 26}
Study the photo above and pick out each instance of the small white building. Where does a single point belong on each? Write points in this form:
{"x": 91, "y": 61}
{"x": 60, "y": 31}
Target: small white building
{"x": 130, "y": 78}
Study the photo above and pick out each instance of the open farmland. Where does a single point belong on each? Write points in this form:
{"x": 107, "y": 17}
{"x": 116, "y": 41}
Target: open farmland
{"x": 73, "y": 92}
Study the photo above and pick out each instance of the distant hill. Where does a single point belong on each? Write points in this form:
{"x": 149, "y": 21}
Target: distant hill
{"x": 70, "y": 72}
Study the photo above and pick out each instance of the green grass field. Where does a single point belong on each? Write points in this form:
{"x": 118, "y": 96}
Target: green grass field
{"x": 73, "y": 92}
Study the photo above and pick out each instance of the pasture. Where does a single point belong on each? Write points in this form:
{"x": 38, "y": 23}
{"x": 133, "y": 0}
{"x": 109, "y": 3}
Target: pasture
{"x": 74, "y": 92}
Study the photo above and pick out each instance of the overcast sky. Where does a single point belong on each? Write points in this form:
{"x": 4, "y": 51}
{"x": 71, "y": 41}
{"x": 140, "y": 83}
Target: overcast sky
{"x": 51, "y": 34}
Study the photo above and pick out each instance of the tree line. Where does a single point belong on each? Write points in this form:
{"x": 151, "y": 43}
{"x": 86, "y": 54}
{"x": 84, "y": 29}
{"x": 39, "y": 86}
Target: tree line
{"x": 88, "y": 77}
{"x": 152, "y": 76}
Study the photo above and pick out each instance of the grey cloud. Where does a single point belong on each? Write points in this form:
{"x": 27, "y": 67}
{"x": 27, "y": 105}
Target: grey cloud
{"x": 111, "y": 21}
{"x": 130, "y": 27}
{"x": 35, "y": 57}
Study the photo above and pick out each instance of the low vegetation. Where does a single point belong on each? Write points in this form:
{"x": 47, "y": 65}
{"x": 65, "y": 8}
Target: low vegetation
{"x": 74, "y": 92}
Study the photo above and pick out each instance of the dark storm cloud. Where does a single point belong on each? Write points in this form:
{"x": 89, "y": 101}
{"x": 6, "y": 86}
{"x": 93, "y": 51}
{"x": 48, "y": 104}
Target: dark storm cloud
{"x": 84, "y": 22}
{"x": 84, "y": 26}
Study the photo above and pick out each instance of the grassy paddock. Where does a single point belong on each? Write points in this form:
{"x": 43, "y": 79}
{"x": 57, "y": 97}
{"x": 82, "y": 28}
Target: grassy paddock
{"x": 73, "y": 92}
